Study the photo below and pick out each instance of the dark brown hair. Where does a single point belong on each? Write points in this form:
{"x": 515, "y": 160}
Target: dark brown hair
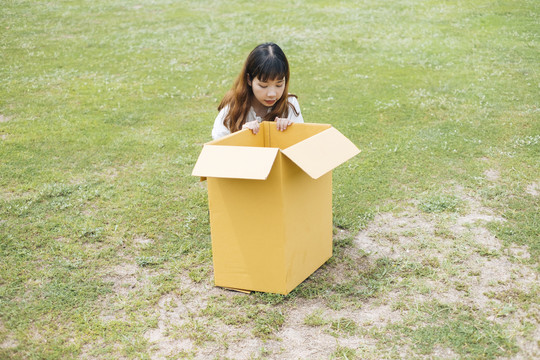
{"x": 266, "y": 62}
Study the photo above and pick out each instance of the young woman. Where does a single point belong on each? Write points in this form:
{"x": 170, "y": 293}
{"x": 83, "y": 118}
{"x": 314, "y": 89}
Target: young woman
{"x": 260, "y": 93}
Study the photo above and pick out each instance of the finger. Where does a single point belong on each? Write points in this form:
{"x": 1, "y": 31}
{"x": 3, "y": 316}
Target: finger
{"x": 250, "y": 125}
{"x": 284, "y": 124}
{"x": 289, "y": 123}
{"x": 281, "y": 124}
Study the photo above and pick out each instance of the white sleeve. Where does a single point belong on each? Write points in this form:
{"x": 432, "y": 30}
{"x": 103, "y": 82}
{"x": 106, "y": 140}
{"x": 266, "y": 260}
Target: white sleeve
{"x": 220, "y": 130}
{"x": 293, "y": 102}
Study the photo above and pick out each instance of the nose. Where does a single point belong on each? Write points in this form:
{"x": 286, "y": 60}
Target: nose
{"x": 271, "y": 92}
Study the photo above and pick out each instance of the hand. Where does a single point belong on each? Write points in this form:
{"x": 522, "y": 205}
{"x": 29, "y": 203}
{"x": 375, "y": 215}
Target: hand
{"x": 253, "y": 125}
{"x": 282, "y": 123}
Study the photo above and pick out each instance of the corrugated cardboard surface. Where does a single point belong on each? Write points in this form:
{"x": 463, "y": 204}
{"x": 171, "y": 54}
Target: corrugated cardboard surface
{"x": 236, "y": 162}
{"x": 322, "y": 152}
{"x": 248, "y": 243}
{"x": 308, "y": 214}
{"x": 269, "y": 235}
{"x": 293, "y": 135}
{"x": 264, "y": 236}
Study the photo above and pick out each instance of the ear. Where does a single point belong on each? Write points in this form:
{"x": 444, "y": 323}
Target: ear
{"x": 248, "y": 79}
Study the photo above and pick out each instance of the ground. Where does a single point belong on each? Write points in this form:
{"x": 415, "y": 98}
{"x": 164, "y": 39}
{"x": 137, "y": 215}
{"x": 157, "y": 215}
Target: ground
{"x": 467, "y": 268}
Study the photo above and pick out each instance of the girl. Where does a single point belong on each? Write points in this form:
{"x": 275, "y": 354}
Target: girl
{"x": 258, "y": 95}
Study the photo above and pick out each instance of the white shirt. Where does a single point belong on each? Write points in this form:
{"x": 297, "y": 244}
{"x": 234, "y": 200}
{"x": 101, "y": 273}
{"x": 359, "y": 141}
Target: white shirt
{"x": 221, "y": 130}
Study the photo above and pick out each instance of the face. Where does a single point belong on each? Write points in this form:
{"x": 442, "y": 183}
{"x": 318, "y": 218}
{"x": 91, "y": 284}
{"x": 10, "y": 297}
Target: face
{"x": 267, "y": 92}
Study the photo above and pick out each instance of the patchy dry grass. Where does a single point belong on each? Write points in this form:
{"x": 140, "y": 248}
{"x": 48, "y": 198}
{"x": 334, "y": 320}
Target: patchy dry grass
{"x": 104, "y": 235}
{"x": 436, "y": 285}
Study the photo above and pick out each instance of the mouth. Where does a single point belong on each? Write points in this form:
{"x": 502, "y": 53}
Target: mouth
{"x": 269, "y": 102}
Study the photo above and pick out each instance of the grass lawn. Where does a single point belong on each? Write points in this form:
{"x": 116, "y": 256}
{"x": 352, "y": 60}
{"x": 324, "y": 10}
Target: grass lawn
{"x": 104, "y": 234}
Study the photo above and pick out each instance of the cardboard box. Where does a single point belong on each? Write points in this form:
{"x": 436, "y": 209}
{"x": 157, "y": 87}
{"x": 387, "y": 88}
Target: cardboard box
{"x": 270, "y": 201}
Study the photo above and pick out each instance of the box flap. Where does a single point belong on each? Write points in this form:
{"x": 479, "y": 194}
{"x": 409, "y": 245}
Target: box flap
{"x": 236, "y": 162}
{"x": 322, "y": 152}
{"x": 293, "y": 135}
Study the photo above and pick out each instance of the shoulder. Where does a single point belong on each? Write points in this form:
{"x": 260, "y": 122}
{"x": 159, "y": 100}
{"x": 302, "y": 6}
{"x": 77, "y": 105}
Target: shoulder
{"x": 224, "y": 109}
{"x": 220, "y": 118}
{"x": 219, "y": 130}
{"x": 222, "y": 113}
{"x": 295, "y": 115}
{"x": 293, "y": 101}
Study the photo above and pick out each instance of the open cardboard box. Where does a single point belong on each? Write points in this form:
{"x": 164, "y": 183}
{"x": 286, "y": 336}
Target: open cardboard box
{"x": 270, "y": 201}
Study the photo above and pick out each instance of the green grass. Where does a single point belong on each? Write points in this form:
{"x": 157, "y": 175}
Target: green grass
{"x": 457, "y": 328}
{"x": 104, "y": 106}
{"x": 315, "y": 319}
{"x": 439, "y": 203}
{"x": 344, "y": 353}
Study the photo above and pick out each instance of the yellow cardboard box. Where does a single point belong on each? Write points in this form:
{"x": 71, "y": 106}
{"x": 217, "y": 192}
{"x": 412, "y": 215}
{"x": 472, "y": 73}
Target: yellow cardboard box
{"x": 270, "y": 201}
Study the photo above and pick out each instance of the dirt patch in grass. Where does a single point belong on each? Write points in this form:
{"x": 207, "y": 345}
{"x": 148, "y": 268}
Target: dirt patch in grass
{"x": 472, "y": 265}
{"x": 4, "y": 119}
{"x": 7, "y": 341}
{"x": 143, "y": 241}
{"x": 447, "y": 258}
{"x": 124, "y": 278}
{"x": 173, "y": 314}
{"x": 492, "y": 174}
{"x": 184, "y": 329}
{"x": 182, "y": 322}
{"x": 390, "y": 235}
{"x": 533, "y": 189}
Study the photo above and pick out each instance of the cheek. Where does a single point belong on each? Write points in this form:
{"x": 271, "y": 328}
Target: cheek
{"x": 260, "y": 92}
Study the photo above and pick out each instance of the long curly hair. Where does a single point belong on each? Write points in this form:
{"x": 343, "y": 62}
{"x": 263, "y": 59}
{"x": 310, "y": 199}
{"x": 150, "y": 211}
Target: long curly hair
{"x": 266, "y": 62}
